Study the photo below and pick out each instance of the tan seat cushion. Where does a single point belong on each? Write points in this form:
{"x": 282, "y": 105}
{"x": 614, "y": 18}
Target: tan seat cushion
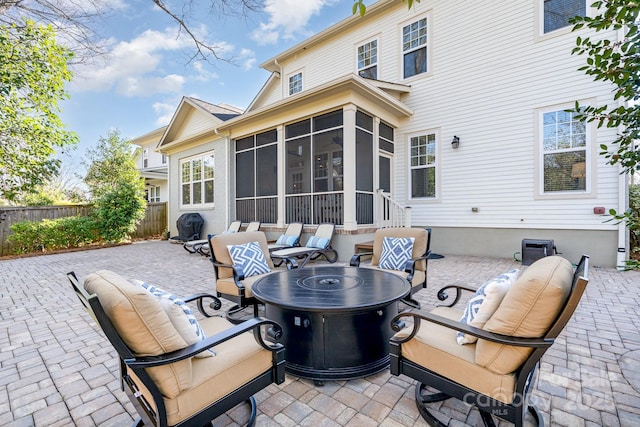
{"x": 419, "y": 245}
{"x": 435, "y": 347}
{"x": 528, "y": 310}
{"x": 143, "y": 325}
{"x": 221, "y": 253}
{"x": 228, "y": 286}
{"x": 236, "y": 362}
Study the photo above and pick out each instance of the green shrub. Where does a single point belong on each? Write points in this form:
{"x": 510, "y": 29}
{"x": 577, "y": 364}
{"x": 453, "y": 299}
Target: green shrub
{"x": 52, "y": 234}
{"x": 118, "y": 212}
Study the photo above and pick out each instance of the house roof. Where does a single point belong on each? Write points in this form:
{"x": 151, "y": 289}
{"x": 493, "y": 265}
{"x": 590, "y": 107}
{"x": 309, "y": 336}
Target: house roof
{"x": 149, "y": 138}
{"x": 339, "y": 91}
{"x": 372, "y": 10}
{"x": 217, "y": 114}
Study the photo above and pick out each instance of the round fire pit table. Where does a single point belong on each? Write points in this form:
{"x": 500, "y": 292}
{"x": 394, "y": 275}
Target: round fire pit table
{"x": 336, "y": 320}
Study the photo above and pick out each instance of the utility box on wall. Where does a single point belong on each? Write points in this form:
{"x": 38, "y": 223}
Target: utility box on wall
{"x": 534, "y": 249}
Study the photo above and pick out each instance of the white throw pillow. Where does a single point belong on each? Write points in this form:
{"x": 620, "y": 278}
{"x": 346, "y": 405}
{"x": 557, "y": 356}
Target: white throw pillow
{"x": 485, "y": 302}
{"x": 180, "y": 315}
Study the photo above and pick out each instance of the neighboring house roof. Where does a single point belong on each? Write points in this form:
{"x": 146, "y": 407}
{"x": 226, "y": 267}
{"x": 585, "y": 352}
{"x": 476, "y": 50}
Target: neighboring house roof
{"x": 149, "y": 138}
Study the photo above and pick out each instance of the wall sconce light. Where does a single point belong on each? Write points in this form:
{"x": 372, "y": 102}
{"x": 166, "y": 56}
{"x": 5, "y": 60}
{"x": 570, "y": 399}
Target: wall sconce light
{"x": 456, "y": 142}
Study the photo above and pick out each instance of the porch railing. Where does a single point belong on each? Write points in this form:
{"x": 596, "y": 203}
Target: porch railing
{"x": 391, "y": 213}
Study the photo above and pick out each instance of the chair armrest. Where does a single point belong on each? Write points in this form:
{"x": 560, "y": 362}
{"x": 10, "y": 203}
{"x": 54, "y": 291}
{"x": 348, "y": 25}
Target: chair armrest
{"x": 238, "y": 274}
{"x": 443, "y": 295}
{"x": 200, "y": 297}
{"x": 419, "y": 315}
{"x": 209, "y": 342}
{"x": 355, "y": 259}
{"x": 410, "y": 266}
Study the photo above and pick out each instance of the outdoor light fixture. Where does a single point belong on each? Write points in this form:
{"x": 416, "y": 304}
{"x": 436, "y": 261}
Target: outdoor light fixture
{"x": 456, "y": 142}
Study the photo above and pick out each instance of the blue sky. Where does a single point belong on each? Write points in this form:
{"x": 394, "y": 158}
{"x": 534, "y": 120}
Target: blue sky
{"x": 138, "y": 85}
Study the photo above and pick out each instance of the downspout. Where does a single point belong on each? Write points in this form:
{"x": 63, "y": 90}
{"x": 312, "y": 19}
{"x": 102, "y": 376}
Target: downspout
{"x": 275, "y": 61}
{"x": 623, "y": 252}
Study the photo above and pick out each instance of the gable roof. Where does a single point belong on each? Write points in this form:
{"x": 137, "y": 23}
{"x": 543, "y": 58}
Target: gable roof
{"x": 372, "y": 10}
{"x": 339, "y": 91}
{"x": 214, "y": 114}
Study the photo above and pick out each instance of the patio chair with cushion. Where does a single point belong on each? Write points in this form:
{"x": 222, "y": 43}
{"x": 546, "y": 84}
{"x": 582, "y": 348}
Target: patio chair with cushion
{"x": 401, "y": 250}
{"x": 487, "y": 355}
{"x": 253, "y": 226}
{"x": 202, "y": 246}
{"x": 176, "y": 370}
{"x": 318, "y": 245}
{"x": 289, "y": 239}
{"x": 239, "y": 260}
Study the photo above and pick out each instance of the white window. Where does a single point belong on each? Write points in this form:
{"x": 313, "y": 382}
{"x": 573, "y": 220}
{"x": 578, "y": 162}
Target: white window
{"x": 422, "y": 160}
{"x": 153, "y": 193}
{"x": 556, "y": 13}
{"x": 368, "y": 60}
{"x": 145, "y": 158}
{"x": 295, "y": 83}
{"x": 564, "y": 152}
{"x": 164, "y": 159}
{"x": 197, "y": 179}
{"x": 415, "y": 48}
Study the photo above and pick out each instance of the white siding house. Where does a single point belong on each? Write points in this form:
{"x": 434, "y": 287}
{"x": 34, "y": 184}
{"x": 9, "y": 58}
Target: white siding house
{"x": 153, "y": 166}
{"x": 198, "y": 159}
{"x": 376, "y": 102}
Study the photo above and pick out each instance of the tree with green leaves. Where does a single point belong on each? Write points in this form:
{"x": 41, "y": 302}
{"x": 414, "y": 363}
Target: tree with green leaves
{"x": 33, "y": 73}
{"x": 116, "y": 185}
{"x": 361, "y": 8}
{"x": 616, "y": 62}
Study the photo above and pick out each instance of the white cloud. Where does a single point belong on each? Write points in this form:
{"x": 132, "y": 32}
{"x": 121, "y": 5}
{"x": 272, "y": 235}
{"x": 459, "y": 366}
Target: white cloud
{"x": 133, "y": 86}
{"x": 203, "y": 74}
{"x": 247, "y": 59}
{"x": 287, "y": 17}
{"x": 132, "y": 66}
{"x": 164, "y": 111}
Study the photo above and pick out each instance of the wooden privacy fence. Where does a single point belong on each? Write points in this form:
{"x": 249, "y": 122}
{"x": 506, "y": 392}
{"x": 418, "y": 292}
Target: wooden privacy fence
{"x": 153, "y": 224}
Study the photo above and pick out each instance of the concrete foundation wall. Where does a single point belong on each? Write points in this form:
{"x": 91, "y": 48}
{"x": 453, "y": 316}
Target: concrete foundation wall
{"x": 600, "y": 245}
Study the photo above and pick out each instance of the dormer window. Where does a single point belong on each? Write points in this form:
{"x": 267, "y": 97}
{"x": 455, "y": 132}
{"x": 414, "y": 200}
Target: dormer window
{"x": 295, "y": 83}
{"x": 368, "y": 60}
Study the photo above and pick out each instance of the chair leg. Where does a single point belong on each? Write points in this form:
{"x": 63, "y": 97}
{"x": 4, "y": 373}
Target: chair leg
{"x": 237, "y": 313}
{"x": 410, "y": 302}
{"x": 422, "y": 398}
{"x": 232, "y": 312}
{"x": 252, "y": 418}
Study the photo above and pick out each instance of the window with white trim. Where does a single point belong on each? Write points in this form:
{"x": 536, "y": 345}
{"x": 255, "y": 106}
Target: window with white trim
{"x": 295, "y": 83}
{"x": 564, "y": 152}
{"x": 368, "y": 60}
{"x": 422, "y": 161}
{"x": 145, "y": 158}
{"x": 415, "y": 46}
{"x": 153, "y": 193}
{"x": 196, "y": 180}
{"x": 556, "y": 13}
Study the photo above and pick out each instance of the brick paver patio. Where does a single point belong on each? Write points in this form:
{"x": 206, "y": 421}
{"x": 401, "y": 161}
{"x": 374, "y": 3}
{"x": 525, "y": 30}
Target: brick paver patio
{"x": 56, "y": 369}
